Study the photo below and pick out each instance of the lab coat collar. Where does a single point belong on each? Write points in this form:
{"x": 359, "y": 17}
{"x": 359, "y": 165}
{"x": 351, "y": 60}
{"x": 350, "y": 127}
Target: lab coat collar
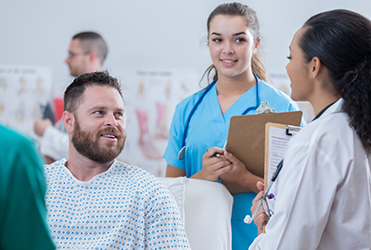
{"x": 336, "y": 107}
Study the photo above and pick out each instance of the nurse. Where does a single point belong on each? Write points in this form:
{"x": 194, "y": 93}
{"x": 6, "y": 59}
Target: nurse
{"x": 323, "y": 190}
{"x": 201, "y": 121}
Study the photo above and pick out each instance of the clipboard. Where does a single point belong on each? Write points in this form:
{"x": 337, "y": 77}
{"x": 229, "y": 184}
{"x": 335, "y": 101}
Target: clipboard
{"x": 277, "y": 138}
{"x": 246, "y": 139}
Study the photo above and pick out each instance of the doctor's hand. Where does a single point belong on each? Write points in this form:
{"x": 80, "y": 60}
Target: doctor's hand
{"x": 239, "y": 174}
{"x": 214, "y": 164}
{"x": 40, "y": 125}
{"x": 260, "y": 219}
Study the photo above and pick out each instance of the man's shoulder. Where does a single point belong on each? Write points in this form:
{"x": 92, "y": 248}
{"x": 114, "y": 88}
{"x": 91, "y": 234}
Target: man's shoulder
{"x": 137, "y": 176}
{"x": 53, "y": 171}
{"x": 132, "y": 171}
{"x": 55, "y": 165}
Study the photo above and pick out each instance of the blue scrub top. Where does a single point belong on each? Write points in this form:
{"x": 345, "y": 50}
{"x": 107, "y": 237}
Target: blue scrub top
{"x": 209, "y": 128}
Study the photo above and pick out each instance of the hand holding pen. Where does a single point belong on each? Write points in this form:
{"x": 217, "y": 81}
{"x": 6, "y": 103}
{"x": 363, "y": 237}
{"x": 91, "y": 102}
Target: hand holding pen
{"x": 214, "y": 164}
{"x": 216, "y": 155}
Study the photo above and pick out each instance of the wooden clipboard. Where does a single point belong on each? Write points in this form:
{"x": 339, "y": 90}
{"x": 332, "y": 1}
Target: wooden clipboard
{"x": 277, "y": 137}
{"x": 246, "y": 139}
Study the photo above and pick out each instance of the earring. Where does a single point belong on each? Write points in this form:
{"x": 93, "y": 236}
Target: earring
{"x": 311, "y": 76}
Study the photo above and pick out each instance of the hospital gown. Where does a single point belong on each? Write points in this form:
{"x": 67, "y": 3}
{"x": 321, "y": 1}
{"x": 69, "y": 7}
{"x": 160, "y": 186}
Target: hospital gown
{"x": 124, "y": 207}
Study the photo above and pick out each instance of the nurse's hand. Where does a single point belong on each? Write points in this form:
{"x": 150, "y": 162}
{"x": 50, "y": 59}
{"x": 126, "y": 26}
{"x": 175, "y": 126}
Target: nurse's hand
{"x": 239, "y": 174}
{"x": 260, "y": 219}
{"x": 214, "y": 164}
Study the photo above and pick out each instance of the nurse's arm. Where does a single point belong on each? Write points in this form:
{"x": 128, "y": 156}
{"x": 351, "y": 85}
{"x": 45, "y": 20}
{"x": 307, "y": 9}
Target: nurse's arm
{"x": 172, "y": 171}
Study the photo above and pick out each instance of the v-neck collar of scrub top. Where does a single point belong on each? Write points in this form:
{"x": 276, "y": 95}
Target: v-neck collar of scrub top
{"x": 247, "y": 99}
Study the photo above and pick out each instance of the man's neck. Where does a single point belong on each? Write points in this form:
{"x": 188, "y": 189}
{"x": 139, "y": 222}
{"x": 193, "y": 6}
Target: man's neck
{"x": 94, "y": 68}
{"x": 85, "y": 169}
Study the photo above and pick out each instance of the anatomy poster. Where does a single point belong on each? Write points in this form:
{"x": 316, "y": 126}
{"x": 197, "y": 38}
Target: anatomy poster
{"x": 24, "y": 90}
{"x": 150, "y": 97}
{"x": 282, "y": 82}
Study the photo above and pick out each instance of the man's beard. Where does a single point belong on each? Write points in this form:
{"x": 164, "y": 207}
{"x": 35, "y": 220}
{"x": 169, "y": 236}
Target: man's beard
{"x": 87, "y": 144}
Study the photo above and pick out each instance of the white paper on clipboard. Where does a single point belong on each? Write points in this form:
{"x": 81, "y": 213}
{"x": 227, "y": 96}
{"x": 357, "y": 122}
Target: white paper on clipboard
{"x": 276, "y": 143}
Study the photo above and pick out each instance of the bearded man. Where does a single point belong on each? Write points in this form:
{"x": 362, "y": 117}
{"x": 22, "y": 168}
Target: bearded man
{"x": 95, "y": 201}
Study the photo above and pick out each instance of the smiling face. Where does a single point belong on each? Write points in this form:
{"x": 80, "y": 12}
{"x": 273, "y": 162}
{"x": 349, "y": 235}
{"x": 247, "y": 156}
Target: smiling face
{"x": 298, "y": 71}
{"x": 99, "y": 129}
{"x": 231, "y": 45}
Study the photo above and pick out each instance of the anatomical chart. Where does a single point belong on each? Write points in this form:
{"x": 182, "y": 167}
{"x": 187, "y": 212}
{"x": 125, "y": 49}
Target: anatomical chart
{"x": 150, "y": 97}
{"x": 24, "y": 91}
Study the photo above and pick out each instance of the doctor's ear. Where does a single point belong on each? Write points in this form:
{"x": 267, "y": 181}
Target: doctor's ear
{"x": 314, "y": 67}
{"x": 68, "y": 120}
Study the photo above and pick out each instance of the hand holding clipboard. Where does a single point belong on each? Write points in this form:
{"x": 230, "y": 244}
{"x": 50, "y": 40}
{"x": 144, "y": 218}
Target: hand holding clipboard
{"x": 246, "y": 140}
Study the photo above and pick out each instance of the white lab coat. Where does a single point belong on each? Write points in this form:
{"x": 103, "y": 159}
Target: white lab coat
{"x": 323, "y": 191}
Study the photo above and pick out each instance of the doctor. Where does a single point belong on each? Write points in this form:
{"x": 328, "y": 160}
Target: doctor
{"x": 201, "y": 121}
{"x": 323, "y": 190}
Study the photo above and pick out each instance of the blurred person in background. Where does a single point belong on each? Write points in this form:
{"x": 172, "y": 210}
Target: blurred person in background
{"x": 86, "y": 53}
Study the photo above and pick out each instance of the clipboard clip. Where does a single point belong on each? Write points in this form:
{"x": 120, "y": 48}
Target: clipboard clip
{"x": 288, "y": 128}
{"x": 264, "y": 108}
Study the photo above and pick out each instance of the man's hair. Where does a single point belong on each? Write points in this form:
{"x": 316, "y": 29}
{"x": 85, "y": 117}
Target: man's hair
{"x": 73, "y": 96}
{"x": 91, "y": 41}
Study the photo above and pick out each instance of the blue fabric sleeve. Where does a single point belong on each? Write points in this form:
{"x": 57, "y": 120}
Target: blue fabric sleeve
{"x": 175, "y": 139}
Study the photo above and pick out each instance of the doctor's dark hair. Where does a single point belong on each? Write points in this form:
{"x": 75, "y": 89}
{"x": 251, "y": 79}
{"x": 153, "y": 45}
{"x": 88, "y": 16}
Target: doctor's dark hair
{"x": 92, "y": 41}
{"x": 341, "y": 39}
{"x": 74, "y": 94}
{"x": 238, "y": 9}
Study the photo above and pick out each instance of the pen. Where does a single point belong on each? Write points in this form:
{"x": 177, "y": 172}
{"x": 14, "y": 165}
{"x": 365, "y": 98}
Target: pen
{"x": 215, "y": 154}
{"x": 275, "y": 174}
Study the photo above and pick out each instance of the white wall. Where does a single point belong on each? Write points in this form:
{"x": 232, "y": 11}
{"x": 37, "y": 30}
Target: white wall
{"x": 143, "y": 33}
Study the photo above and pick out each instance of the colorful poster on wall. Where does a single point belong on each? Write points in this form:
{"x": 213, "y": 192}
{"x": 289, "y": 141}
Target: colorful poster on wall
{"x": 150, "y": 97}
{"x": 24, "y": 92}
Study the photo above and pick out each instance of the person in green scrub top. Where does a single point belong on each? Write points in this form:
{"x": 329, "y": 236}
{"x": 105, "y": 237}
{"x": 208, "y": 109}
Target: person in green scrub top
{"x": 22, "y": 190}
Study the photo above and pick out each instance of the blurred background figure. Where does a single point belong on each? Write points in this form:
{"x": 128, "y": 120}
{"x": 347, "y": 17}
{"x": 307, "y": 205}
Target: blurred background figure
{"x": 86, "y": 53}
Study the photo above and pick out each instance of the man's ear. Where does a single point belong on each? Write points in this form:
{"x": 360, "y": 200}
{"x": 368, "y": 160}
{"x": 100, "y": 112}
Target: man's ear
{"x": 93, "y": 56}
{"x": 68, "y": 121}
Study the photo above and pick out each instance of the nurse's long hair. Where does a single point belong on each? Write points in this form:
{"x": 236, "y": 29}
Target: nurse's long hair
{"x": 238, "y": 9}
{"x": 341, "y": 39}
